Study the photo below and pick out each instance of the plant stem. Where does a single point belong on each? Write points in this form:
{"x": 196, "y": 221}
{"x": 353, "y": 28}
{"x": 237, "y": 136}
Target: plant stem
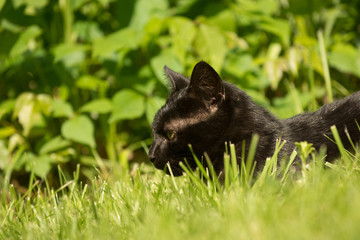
{"x": 325, "y": 65}
{"x": 68, "y": 18}
{"x": 110, "y": 142}
{"x": 311, "y": 81}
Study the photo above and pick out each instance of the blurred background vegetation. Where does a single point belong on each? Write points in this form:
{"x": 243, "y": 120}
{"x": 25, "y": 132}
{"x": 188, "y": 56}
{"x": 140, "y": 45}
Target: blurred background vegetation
{"x": 81, "y": 80}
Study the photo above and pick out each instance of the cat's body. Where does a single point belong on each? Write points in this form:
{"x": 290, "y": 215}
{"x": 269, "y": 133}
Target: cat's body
{"x": 206, "y": 112}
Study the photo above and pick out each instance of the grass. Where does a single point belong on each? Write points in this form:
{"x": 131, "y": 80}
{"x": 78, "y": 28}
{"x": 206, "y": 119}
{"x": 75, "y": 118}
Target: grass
{"x": 322, "y": 202}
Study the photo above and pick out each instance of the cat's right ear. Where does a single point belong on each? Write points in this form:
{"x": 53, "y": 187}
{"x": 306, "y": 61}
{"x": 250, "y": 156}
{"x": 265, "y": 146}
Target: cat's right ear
{"x": 177, "y": 81}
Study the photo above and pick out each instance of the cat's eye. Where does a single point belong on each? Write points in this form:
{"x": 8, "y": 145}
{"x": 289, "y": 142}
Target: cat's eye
{"x": 170, "y": 134}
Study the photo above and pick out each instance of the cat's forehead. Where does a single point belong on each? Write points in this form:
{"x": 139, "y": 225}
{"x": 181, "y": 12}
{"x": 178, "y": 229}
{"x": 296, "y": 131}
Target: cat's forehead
{"x": 178, "y": 114}
{"x": 179, "y": 123}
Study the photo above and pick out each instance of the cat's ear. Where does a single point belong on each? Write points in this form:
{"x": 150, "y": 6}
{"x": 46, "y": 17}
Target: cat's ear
{"x": 177, "y": 81}
{"x": 206, "y": 84}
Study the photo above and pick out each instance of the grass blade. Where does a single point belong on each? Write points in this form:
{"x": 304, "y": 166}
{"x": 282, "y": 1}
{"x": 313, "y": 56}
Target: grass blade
{"x": 325, "y": 65}
{"x": 341, "y": 147}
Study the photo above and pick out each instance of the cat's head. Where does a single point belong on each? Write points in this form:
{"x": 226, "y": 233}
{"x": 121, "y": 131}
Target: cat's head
{"x": 189, "y": 116}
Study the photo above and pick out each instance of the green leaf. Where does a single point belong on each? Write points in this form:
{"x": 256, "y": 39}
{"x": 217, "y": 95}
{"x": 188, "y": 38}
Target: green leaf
{"x": 153, "y": 28}
{"x": 30, "y": 3}
{"x": 44, "y": 102}
{"x": 28, "y": 111}
{"x": 211, "y": 45}
{"x": 91, "y": 83}
{"x": 22, "y": 44}
{"x": 165, "y": 58}
{"x": 306, "y": 7}
{"x": 37, "y": 3}
{"x": 4, "y": 155}
{"x": 279, "y": 27}
{"x": 153, "y": 105}
{"x": 124, "y": 39}
{"x": 274, "y": 65}
{"x": 88, "y": 31}
{"x": 54, "y": 144}
{"x": 70, "y": 54}
{"x": 6, "y": 107}
{"x": 127, "y": 104}
{"x": 41, "y": 165}
{"x": 345, "y": 58}
{"x": 22, "y": 100}
{"x": 10, "y": 26}
{"x": 15, "y": 140}
{"x": 240, "y": 64}
{"x": 6, "y": 132}
{"x": 145, "y": 10}
{"x": 259, "y": 7}
{"x": 183, "y": 32}
{"x": 147, "y": 87}
{"x": 225, "y": 20}
{"x": 22, "y": 159}
{"x": 61, "y": 108}
{"x": 2, "y": 2}
{"x": 79, "y": 129}
{"x": 99, "y": 106}
{"x": 291, "y": 104}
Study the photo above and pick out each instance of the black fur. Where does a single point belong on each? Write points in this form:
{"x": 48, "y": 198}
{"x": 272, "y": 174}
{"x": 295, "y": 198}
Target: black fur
{"x": 206, "y": 112}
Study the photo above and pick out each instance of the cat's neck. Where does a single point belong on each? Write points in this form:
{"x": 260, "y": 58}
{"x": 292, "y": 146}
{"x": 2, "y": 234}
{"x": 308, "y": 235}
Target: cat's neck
{"x": 248, "y": 118}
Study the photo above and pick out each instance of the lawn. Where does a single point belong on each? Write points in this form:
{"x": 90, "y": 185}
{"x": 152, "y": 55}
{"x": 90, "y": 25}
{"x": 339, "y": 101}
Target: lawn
{"x": 320, "y": 201}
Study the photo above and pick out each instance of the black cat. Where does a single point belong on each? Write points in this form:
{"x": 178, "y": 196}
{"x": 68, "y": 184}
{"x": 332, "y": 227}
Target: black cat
{"x": 206, "y": 112}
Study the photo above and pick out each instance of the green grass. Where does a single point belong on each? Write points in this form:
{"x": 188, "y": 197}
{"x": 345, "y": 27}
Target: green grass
{"x": 320, "y": 202}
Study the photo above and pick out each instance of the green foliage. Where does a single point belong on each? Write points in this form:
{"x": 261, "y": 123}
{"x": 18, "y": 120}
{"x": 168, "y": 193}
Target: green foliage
{"x": 81, "y": 80}
{"x": 79, "y": 129}
{"x": 127, "y": 104}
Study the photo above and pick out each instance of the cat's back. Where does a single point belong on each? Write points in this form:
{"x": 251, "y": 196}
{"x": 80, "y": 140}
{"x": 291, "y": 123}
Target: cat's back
{"x": 348, "y": 106}
{"x": 315, "y": 127}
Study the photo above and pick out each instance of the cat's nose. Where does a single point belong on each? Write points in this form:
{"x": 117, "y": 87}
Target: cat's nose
{"x": 151, "y": 156}
{"x": 151, "y": 153}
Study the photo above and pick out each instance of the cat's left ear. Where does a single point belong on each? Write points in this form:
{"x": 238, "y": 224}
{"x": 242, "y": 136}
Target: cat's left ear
{"x": 206, "y": 84}
{"x": 177, "y": 81}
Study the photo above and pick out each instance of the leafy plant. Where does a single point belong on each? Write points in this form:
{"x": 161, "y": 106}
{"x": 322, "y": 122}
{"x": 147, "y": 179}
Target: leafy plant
{"x": 81, "y": 80}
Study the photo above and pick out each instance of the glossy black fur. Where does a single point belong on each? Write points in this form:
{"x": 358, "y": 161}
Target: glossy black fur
{"x": 206, "y": 112}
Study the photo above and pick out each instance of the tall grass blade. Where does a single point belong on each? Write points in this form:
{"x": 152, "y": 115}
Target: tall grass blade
{"x": 248, "y": 166}
{"x": 235, "y": 174}
{"x": 314, "y": 105}
{"x": 251, "y": 155}
{"x": 172, "y": 176}
{"x": 356, "y": 150}
{"x": 288, "y": 166}
{"x": 195, "y": 179}
{"x": 341, "y": 147}
{"x": 226, "y": 171}
{"x": 215, "y": 181}
{"x": 325, "y": 65}
{"x": 271, "y": 165}
{"x": 199, "y": 164}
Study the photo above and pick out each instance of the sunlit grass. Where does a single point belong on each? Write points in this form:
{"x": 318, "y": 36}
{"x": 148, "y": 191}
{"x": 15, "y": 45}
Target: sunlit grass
{"x": 320, "y": 201}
